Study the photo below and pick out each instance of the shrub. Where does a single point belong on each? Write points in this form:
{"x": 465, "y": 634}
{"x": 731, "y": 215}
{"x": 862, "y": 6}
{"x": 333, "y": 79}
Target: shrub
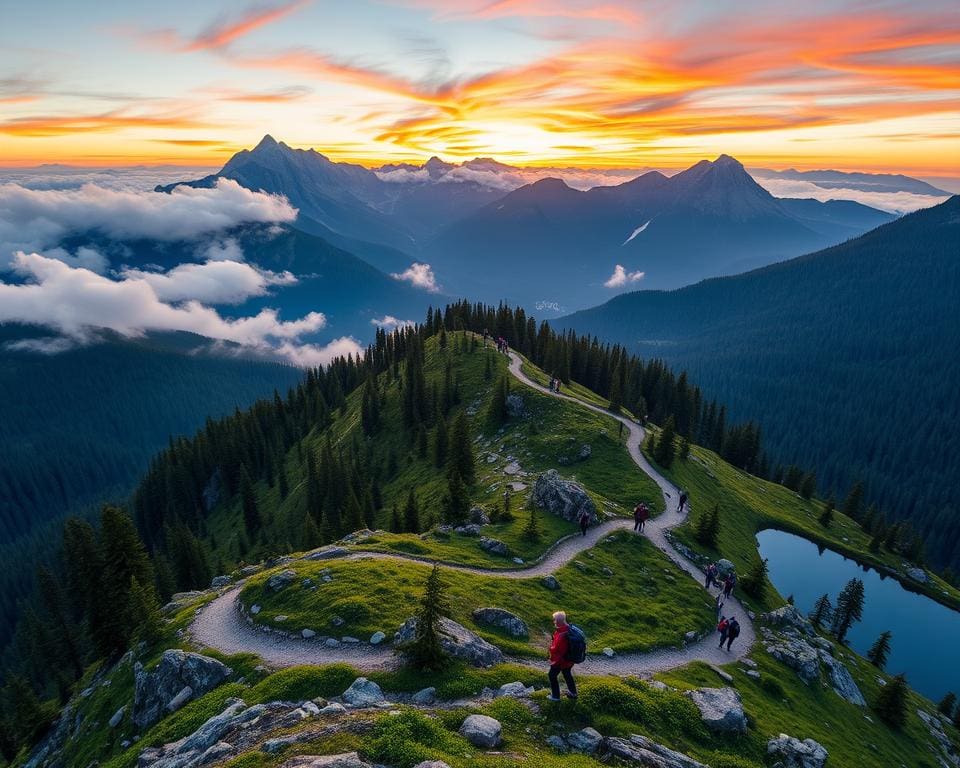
{"x": 303, "y": 682}
{"x": 410, "y": 738}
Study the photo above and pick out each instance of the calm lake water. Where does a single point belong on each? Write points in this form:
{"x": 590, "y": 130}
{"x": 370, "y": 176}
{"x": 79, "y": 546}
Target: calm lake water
{"x": 926, "y": 635}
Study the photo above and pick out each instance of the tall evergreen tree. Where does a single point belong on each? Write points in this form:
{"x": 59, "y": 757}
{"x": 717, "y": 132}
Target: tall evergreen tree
{"x": 826, "y": 517}
{"x": 852, "y": 506}
{"x": 754, "y": 581}
{"x": 411, "y": 514}
{"x": 456, "y": 503}
{"x": 808, "y": 485}
{"x": 248, "y": 500}
{"x": 531, "y": 531}
{"x": 663, "y": 453}
{"x": 440, "y": 442}
{"x": 947, "y": 703}
{"x": 143, "y": 613}
{"x": 124, "y": 557}
{"x": 880, "y": 650}
{"x": 891, "y": 702}
{"x": 426, "y": 652}
{"x": 461, "y": 458}
{"x": 849, "y": 608}
{"x": 497, "y": 413}
{"x": 822, "y": 611}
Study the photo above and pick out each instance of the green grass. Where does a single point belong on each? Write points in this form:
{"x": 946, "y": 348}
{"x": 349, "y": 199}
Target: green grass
{"x": 749, "y": 505}
{"x": 647, "y": 601}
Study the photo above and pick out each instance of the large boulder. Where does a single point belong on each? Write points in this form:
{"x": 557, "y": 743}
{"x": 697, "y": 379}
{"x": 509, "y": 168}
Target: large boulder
{"x": 363, "y": 693}
{"x": 176, "y": 671}
{"x": 789, "y": 752}
{"x": 494, "y": 546}
{"x": 724, "y": 568}
{"x": 481, "y": 731}
{"x": 918, "y": 575}
{"x": 841, "y": 679}
{"x": 457, "y": 641}
{"x": 563, "y": 497}
{"x": 327, "y": 553}
{"x": 788, "y": 616}
{"x": 720, "y": 709}
{"x": 586, "y": 740}
{"x": 344, "y": 760}
{"x": 498, "y": 617}
{"x": 791, "y": 649}
{"x": 642, "y": 751}
{"x": 478, "y": 515}
{"x": 281, "y": 580}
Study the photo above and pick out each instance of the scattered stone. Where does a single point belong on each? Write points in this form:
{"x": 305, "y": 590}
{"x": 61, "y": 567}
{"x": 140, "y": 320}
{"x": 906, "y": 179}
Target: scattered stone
{"x": 563, "y": 497}
{"x": 377, "y": 637}
{"x": 479, "y": 515}
{"x": 349, "y": 640}
{"x": 182, "y": 697}
{"x": 177, "y": 669}
{"x": 641, "y": 751}
{"x": 333, "y": 708}
{"x": 753, "y": 673}
{"x": 494, "y": 546}
{"x": 249, "y": 570}
{"x": 281, "y": 618}
{"x": 512, "y": 468}
{"x": 550, "y": 582}
{"x": 725, "y": 567}
{"x": 609, "y": 652}
{"x": 457, "y": 641}
{"x": 306, "y": 634}
{"x": 255, "y": 609}
{"x": 281, "y": 580}
{"x": 690, "y": 636}
{"x": 331, "y": 642}
{"x": 363, "y": 693}
{"x": 586, "y": 741}
{"x": 481, "y": 731}
{"x": 721, "y": 709}
{"x": 793, "y": 753}
{"x": 498, "y": 617}
{"x": 789, "y": 616}
{"x": 580, "y": 565}
{"x": 344, "y": 760}
{"x": 425, "y": 697}
{"x": 748, "y": 663}
{"x": 585, "y": 452}
{"x": 432, "y": 764}
{"x": 326, "y": 553}
{"x": 725, "y": 676}
{"x": 218, "y": 582}
{"x": 470, "y": 529}
{"x": 918, "y": 574}
{"x": 557, "y": 743}
{"x": 118, "y": 716}
{"x": 518, "y": 560}
{"x": 337, "y": 621}
{"x": 516, "y": 690}
{"x": 842, "y": 681}
{"x": 307, "y": 583}
{"x": 515, "y": 406}
{"x": 516, "y": 487}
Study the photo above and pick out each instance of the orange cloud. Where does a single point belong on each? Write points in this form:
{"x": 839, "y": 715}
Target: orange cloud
{"x": 224, "y": 33}
{"x": 41, "y": 126}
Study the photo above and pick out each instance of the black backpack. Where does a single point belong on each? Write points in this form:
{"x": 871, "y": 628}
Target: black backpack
{"x": 734, "y": 629}
{"x": 576, "y": 644}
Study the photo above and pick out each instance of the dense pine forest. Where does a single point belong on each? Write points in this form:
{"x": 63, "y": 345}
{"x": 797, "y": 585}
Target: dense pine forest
{"x": 847, "y": 357}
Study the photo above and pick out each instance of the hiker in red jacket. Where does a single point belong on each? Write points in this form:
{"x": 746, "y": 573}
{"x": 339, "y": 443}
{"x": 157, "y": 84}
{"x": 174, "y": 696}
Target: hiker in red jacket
{"x": 559, "y": 663}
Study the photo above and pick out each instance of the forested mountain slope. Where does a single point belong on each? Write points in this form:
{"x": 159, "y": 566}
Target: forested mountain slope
{"x": 847, "y": 357}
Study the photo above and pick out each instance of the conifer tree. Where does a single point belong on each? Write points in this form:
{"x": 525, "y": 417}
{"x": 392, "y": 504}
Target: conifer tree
{"x": 754, "y": 581}
{"x": 876, "y": 540}
{"x": 664, "y": 451}
{"x": 461, "y": 457}
{"x": 849, "y": 608}
{"x": 440, "y": 441}
{"x": 353, "y": 513}
{"x": 251, "y": 512}
{"x": 310, "y": 533}
{"x": 947, "y": 703}
{"x": 822, "y": 611}
{"x": 396, "y": 522}
{"x": 124, "y": 557}
{"x": 531, "y": 531}
{"x": 497, "y": 412}
{"x": 426, "y": 652}
{"x": 28, "y": 718}
{"x": 411, "y": 514}
{"x": 55, "y": 603}
{"x": 457, "y": 501}
{"x": 143, "y": 613}
{"x": 684, "y": 448}
{"x": 880, "y": 650}
{"x": 854, "y": 501}
{"x": 707, "y": 527}
{"x": 891, "y": 702}
{"x": 826, "y": 517}
{"x": 616, "y": 390}
{"x": 507, "y": 515}
{"x": 808, "y": 485}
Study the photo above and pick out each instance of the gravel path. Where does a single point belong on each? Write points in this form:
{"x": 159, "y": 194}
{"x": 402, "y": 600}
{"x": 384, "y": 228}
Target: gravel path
{"x": 220, "y": 625}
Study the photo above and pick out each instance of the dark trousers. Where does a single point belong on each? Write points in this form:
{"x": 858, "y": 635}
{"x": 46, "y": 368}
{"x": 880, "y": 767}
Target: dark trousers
{"x": 729, "y": 642}
{"x": 723, "y": 639}
{"x": 583, "y": 528}
{"x": 636, "y": 525}
{"x": 555, "y": 671}
{"x": 706, "y": 581}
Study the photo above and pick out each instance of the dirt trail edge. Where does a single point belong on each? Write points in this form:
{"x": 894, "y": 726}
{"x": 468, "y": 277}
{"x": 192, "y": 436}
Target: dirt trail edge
{"x": 220, "y": 625}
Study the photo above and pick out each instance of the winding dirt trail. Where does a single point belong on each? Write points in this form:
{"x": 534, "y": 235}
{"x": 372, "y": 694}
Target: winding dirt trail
{"x": 220, "y": 625}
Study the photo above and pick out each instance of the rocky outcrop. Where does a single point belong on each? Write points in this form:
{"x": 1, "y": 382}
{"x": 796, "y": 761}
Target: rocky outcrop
{"x": 363, "y": 693}
{"x": 841, "y": 679}
{"x": 641, "y": 751}
{"x": 796, "y": 653}
{"x": 788, "y": 616}
{"x": 457, "y": 641}
{"x": 515, "y": 406}
{"x": 563, "y": 497}
{"x": 498, "y": 617}
{"x": 177, "y": 678}
{"x": 327, "y": 553}
{"x": 550, "y": 582}
{"x": 721, "y": 709}
{"x": 514, "y": 690}
{"x": 481, "y": 731}
{"x": 494, "y": 546}
{"x": 219, "y": 582}
{"x": 343, "y": 760}
{"x": 918, "y": 574}
{"x": 281, "y": 580}
{"x": 478, "y": 515}
{"x": 586, "y": 740}
{"x": 788, "y": 752}
{"x": 53, "y": 742}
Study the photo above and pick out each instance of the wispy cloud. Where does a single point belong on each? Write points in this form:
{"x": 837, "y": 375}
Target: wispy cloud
{"x": 389, "y": 322}
{"x": 621, "y": 277}
{"x": 419, "y": 275}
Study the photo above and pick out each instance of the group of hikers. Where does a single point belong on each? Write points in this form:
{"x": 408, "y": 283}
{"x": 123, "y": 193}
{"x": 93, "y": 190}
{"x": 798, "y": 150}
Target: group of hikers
{"x": 641, "y": 513}
{"x": 502, "y": 345}
{"x": 729, "y": 628}
{"x": 555, "y": 384}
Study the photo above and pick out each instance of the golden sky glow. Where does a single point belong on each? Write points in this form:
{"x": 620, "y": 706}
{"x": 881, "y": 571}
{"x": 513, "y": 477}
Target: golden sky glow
{"x": 856, "y": 86}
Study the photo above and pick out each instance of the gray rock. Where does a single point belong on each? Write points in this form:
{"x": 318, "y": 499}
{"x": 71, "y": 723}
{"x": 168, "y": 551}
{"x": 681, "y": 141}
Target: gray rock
{"x": 363, "y": 693}
{"x": 306, "y": 634}
{"x": 586, "y": 740}
{"x": 585, "y": 452}
{"x": 425, "y": 697}
{"x": 47, "y": 750}
{"x": 515, "y": 406}
{"x": 177, "y": 670}
{"x": 327, "y": 553}
{"x": 281, "y": 580}
{"x": 478, "y": 515}
{"x": 249, "y": 570}
{"x": 494, "y": 546}
{"x": 841, "y": 680}
{"x": 609, "y": 652}
{"x": 457, "y": 641}
{"x": 753, "y": 673}
{"x": 690, "y": 636}
{"x": 793, "y": 753}
{"x": 344, "y": 760}
{"x": 182, "y": 697}
{"x": 432, "y": 764}
{"x": 516, "y": 690}
{"x": 481, "y": 731}
{"x": 118, "y": 716}
{"x": 333, "y": 708}
{"x": 562, "y": 497}
{"x": 471, "y": 529}
{"x": 721, "y": 709}
{"x": 255, "y": 609}
{"x": 337, "y": 621}
{"x": 725, "y": 567}
{"x": 218, "y": 582}
{"x": 272, "y": 746}
{"x": 349, "y": 640}
{"x": 498, "y": 617}
{"x": 641, "y": 751}
{"x": 796, "y": 653}
{"x": 918, "y": 574}
{"x": 550, "y": 582}
{"x": 557, "y": 743}
{"x": 210, "y": 732}
{"x": 788, "y": 616}
{"x": 281, "y": 618}
{"x": 377, "y": 637}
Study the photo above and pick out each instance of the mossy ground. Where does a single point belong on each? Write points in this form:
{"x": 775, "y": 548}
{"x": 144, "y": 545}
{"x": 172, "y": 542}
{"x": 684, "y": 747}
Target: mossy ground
{"x": 643, "y": 602}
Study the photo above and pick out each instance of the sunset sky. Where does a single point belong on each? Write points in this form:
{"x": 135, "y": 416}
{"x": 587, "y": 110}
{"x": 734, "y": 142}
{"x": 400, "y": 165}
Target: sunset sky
{"x": 848, "y": 85}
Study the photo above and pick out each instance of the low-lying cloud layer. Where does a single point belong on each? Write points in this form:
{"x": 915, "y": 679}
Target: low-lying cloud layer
{"x": 37, "y": 220}
{"x": 893, "y": 202}
{"x": 215, "y": 282}
{"x": 75, "y": 302}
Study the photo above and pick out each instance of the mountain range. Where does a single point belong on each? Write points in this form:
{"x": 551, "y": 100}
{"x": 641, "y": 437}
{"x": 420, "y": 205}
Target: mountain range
{"x": 847, "y": 357}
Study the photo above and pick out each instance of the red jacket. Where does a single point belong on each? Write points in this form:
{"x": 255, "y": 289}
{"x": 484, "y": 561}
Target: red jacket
{"x": 558, "y": 649}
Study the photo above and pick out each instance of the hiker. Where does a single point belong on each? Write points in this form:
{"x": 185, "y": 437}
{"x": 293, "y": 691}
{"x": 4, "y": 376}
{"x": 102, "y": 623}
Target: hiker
{"x": 559, "y": 661}
{"x": 644, "y": 515}
{"x": 637, "y": 516}
{"x": 683, "y": 501}
{"x": 728, "y": 584}
{"x": 723, "y": 627}
{"x": 584, "y": 521}
{"x": 733, "y": 632}
{"x": 719, "y": 602}
{"x": 711, "y": 575}
{"x": 558, "y": 387}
